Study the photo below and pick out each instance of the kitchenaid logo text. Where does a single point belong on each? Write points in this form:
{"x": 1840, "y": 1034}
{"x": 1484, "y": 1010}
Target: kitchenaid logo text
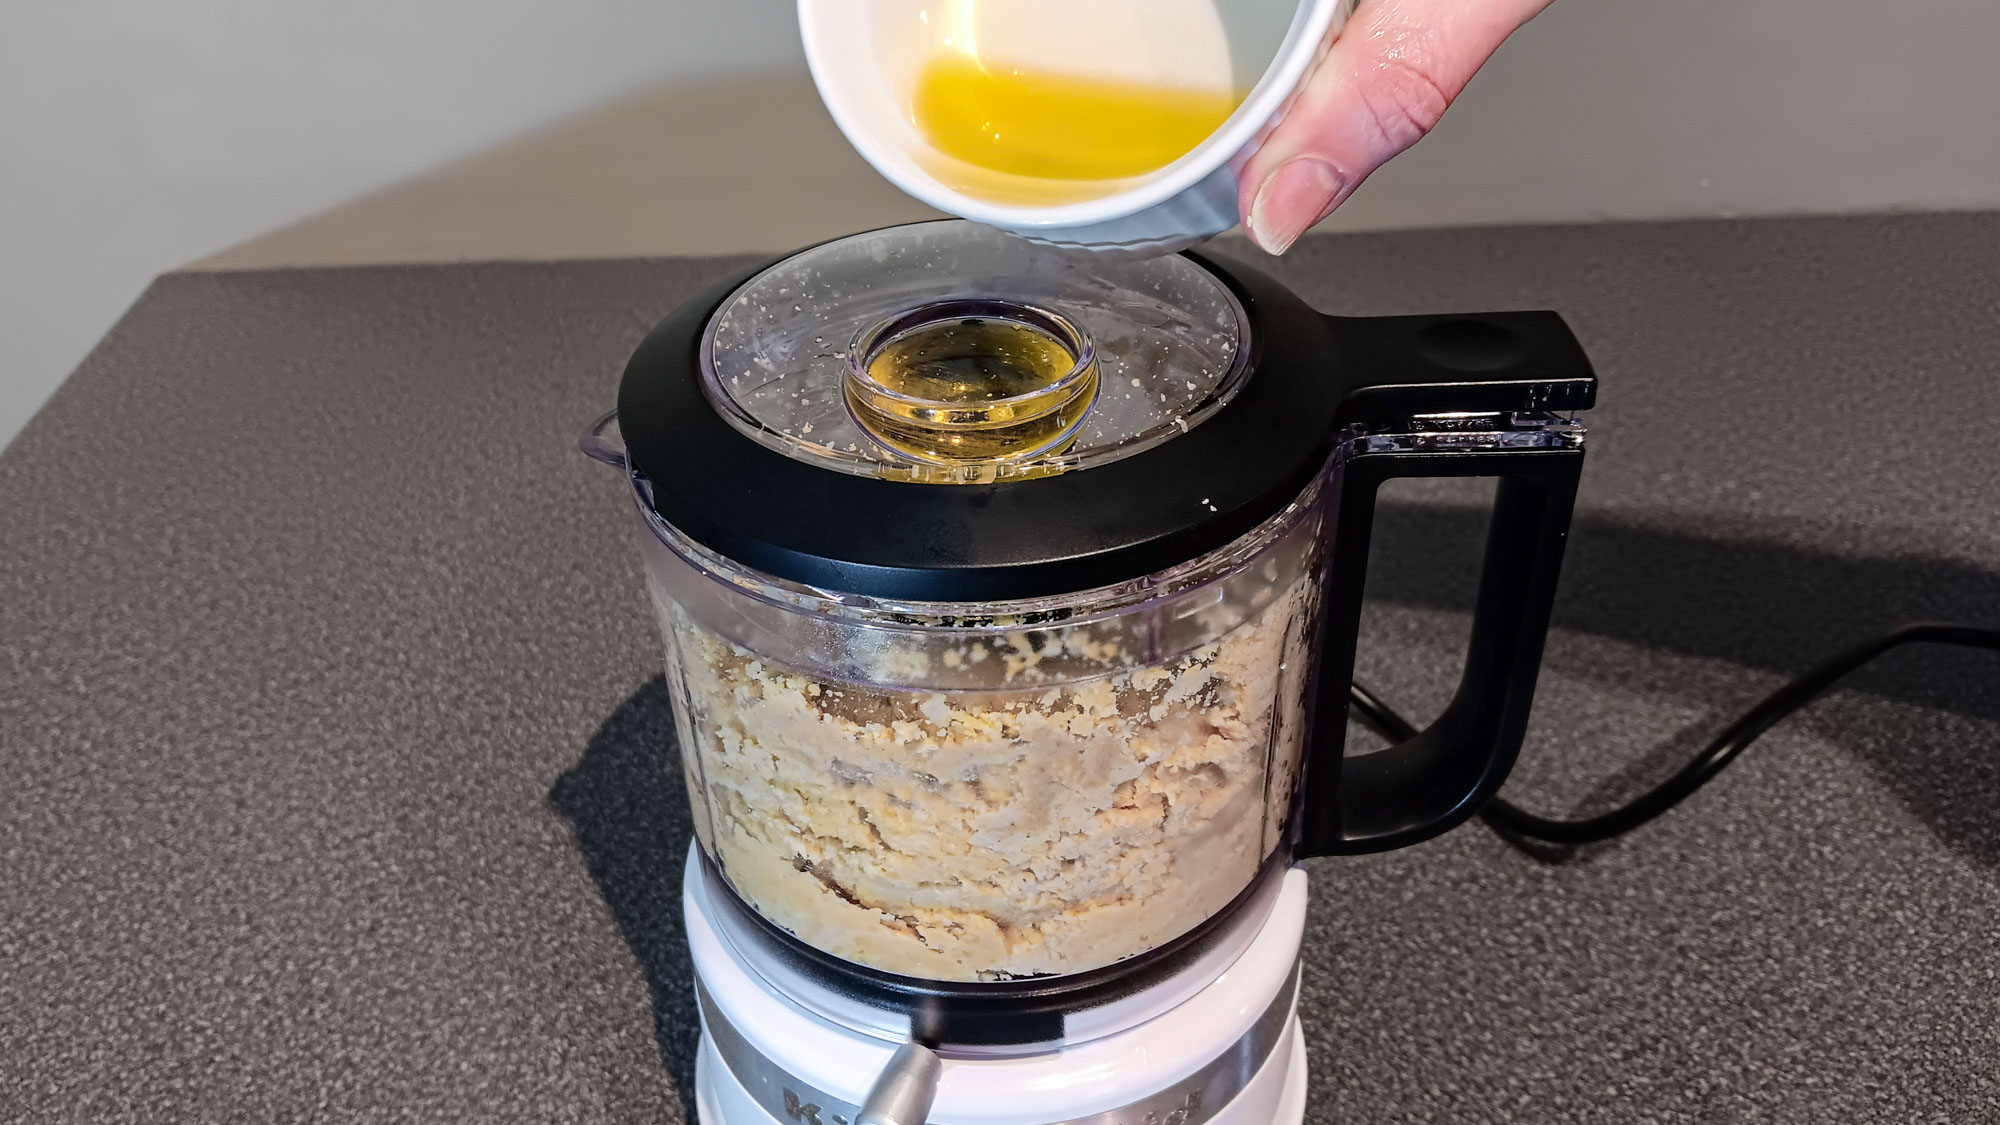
{"x": 807, "y": 1113}
{"x": 1187, "y": 1113}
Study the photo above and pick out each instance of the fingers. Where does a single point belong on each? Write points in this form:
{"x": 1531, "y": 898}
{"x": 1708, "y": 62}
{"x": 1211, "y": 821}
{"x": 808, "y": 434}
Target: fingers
{"x": 1395, "y": 68}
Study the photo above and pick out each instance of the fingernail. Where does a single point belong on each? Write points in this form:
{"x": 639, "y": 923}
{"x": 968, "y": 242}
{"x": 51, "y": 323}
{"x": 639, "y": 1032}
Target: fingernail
{"x": 1299, "y": 193}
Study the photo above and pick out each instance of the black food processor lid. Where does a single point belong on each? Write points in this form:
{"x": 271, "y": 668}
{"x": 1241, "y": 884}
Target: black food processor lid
{"x": 784, "y": 358}
{"x": 1140, "y": 414}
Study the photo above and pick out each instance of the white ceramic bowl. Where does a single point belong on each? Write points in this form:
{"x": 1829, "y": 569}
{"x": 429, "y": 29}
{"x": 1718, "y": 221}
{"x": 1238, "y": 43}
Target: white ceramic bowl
{"x": 865, "y": 56}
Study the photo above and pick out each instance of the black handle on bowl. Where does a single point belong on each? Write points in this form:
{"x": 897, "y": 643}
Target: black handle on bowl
{"x": 1503, "y": 363}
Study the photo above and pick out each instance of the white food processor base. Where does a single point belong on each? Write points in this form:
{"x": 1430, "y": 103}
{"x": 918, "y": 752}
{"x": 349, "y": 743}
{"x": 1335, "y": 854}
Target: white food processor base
{"x": 1277, "y": 1096}
{"x": 1224, "y": 1047}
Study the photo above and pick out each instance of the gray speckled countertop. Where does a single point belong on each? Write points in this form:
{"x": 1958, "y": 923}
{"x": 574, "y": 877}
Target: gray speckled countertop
{"x": 330, "y": 788}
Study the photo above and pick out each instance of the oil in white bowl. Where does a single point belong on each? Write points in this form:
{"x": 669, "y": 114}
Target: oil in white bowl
{"x": 1050, "y": 126}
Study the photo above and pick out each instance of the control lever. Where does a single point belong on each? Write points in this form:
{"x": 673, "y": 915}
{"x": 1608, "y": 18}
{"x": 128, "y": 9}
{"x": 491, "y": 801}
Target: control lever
{"x": 905, "y": 1090}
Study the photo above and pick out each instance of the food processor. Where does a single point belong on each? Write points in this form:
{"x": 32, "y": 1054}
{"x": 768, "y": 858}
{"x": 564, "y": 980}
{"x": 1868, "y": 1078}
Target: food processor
{"x": 1009, "y": 601}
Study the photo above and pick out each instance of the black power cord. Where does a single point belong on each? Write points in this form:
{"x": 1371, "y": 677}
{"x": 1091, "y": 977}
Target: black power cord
{"x": 1734, "y": 739}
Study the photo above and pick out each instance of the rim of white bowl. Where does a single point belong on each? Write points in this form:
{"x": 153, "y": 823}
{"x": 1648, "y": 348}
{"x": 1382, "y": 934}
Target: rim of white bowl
{"x": 1297, "y": 52}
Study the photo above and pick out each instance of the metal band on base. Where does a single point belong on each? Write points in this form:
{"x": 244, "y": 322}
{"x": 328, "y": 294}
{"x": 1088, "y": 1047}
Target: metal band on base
{"x": 1191, "y": 1101}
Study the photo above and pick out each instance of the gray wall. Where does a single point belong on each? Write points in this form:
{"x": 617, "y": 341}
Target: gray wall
{"x": 1640, "y": 109}
{"x": 138, "y": 134}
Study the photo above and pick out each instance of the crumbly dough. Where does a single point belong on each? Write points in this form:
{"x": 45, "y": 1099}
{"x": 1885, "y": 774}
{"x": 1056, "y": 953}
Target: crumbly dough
{"x": 988, "y": 835}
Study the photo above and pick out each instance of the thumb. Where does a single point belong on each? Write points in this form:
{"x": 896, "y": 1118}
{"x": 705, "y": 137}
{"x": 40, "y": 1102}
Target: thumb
{"x": 1387, "y": 79}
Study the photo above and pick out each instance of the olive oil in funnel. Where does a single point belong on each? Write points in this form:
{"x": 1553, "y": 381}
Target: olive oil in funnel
{"x": 1020, "y": 122}
{"x": 974, "y": 389}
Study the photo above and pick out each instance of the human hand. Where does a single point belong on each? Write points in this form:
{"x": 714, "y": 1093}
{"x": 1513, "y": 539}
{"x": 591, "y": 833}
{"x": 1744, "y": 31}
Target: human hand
{"x": 1387, "y": 79}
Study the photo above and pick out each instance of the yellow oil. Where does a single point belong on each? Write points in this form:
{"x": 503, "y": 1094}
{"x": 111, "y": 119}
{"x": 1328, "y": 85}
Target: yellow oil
{"x": 1023, "y": 126}
{"x": 974, "y": 389}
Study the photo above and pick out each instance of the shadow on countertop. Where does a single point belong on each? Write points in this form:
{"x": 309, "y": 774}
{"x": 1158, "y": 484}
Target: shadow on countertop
{"x": 628, "y": 809}
{"x": 1757, "y": 604}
